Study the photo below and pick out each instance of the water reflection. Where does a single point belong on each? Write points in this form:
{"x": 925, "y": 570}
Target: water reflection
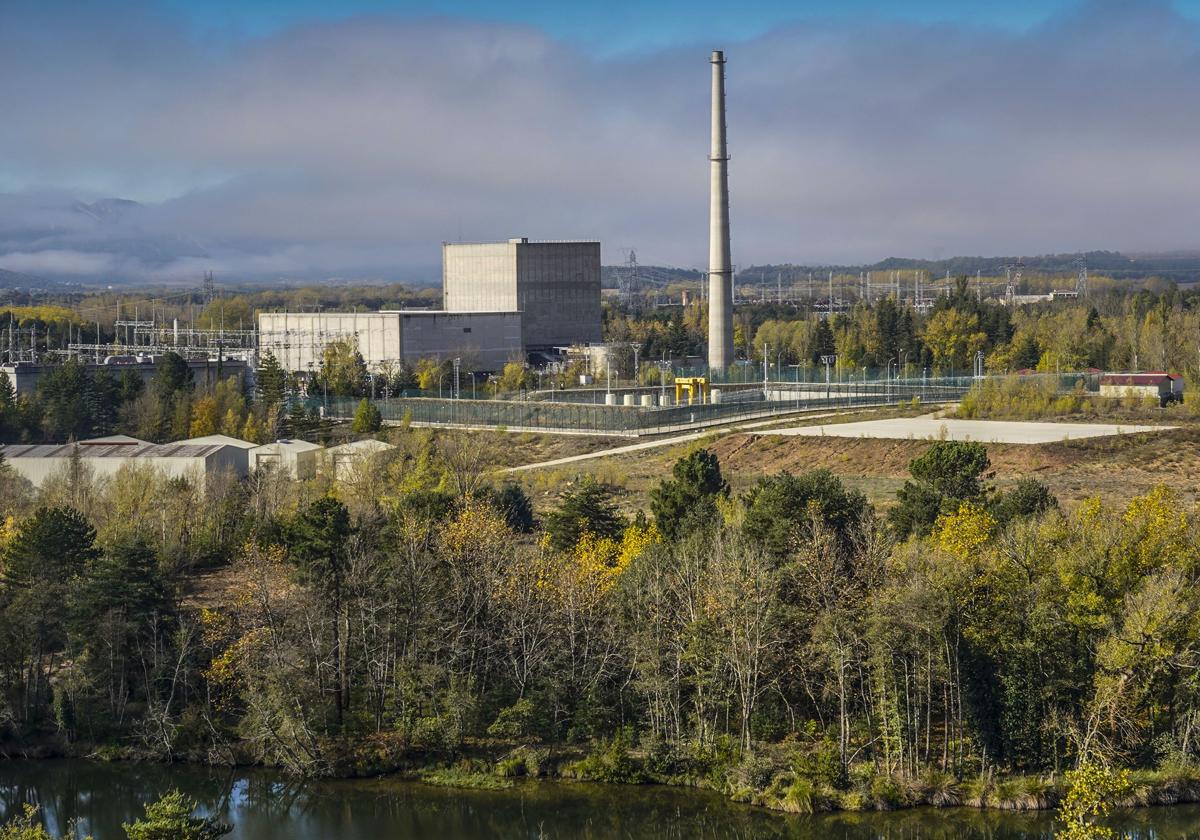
{"x": 264, "y": 806}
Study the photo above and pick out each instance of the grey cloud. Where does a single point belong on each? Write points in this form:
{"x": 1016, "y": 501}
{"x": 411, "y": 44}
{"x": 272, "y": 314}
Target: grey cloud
{"x": 56, "y": 263}
{"x": 356, "y": 147}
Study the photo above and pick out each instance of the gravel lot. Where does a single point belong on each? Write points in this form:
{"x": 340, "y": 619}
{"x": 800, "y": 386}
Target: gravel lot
{"x": 930, "y": 427}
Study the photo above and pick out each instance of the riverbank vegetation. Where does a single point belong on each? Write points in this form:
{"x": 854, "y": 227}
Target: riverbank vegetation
{"x": 168, "y": 818}
{"x": 788, "y": 645}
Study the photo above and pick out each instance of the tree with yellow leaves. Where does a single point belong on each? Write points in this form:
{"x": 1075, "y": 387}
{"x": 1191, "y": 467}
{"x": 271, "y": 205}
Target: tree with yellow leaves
{"x": 962, "y": 533}
{"x": 953, "y": 338}
{"x": 1091, "y": 791}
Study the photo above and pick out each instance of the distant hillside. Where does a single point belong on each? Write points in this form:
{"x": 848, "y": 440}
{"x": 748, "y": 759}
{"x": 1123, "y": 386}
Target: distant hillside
{"x": 1180, "y": 266}
{"x": 17, "y": 280}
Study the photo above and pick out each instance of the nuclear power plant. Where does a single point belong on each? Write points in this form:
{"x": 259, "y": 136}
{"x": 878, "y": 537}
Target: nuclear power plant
{"x": 502, "y": 300}
{"x": 515, "y": 300}
{"x": 537, "y": 303}
{"x": 720, "y": 267}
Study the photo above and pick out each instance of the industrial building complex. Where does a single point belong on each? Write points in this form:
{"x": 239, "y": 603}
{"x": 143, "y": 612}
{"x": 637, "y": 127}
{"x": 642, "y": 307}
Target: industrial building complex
{"x": 485, "y": 340}
{"x": 206, "y": 370}
{"x": 501, "y": 299}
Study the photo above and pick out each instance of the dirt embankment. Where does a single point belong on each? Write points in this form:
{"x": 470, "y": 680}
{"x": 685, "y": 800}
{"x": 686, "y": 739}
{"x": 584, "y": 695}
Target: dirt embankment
{"x": 1115, "y": 468}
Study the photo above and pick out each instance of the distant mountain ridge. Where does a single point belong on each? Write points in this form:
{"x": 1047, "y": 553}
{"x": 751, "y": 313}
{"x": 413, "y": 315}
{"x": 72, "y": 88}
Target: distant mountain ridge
{"x": 19, "y": 280}
{"x": 53, "y": 238}
{"x": 1175, "y": 265}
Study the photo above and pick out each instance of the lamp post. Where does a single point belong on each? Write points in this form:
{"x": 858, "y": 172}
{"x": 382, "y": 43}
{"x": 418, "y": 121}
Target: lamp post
{"x": 828, "y": 361}
{"x": 766, "y": 364}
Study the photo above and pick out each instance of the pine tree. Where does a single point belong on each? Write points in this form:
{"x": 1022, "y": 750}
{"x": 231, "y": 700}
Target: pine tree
{"x": 367, "y": 418}
{"x": 589, "y": 510}
{"x": 170, "y": 818}
{"x": 690, "y": 495}
{"x": 317, "y": 540}
{"x": 271, "y": 379}
{"x": 824, "y": 343}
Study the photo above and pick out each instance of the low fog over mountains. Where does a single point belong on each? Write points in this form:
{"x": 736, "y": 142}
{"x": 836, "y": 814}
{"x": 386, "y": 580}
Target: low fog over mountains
{"x": 58, "y": 238}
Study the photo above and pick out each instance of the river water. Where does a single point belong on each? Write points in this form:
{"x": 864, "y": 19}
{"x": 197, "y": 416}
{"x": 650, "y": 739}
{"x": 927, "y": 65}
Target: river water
{"x": 262, "y": 805}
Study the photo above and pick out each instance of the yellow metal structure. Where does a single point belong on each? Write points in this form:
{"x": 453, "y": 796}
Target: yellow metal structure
{"x": 696, "y": 388}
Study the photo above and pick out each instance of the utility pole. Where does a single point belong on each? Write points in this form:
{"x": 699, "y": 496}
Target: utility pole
{"x": 828, "y": 360}
{"x": 766, "y": 364}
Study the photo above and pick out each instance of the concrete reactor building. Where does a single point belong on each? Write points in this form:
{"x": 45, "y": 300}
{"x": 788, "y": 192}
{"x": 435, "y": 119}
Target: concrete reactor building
{"x": 554, "y": 285}
{"x": 502, "y": 300}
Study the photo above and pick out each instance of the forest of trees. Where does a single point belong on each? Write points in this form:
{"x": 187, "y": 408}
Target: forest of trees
{"x": 74, "y": 402}
{"x": 789, "y": 642}
{"x": 1120, "y": 328}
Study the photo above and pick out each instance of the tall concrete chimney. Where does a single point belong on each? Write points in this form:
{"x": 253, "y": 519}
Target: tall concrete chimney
{"x": 720, "y": 269}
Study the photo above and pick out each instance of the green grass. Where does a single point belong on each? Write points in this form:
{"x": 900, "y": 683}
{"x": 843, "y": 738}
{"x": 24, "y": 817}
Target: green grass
{"x": 466, "y": 779}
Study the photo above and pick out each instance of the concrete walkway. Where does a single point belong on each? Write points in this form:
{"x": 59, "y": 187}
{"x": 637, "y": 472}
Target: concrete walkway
{"x": 671, "y": 441}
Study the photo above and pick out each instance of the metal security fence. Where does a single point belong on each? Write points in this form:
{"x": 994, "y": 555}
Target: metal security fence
{"x": 764, "y": 400}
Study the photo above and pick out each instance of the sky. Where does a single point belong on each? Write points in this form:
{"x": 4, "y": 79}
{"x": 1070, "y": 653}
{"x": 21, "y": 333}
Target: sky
{"x": 348, "y": 140}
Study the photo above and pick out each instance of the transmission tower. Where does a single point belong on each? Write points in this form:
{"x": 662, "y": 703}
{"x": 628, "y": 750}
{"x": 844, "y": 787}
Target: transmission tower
{"x": 210, "y": 288}
{"x": 1012, "y": 274}
{"x": 1081, "y": 282}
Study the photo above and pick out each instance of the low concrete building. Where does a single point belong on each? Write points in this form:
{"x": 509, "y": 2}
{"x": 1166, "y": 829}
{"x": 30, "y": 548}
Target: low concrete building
{"x": 240, "y": 447}
{"x": 194, "y": 462}
{"x": 1164, "y": 387}
{"x": 348, "y": 458}
{"x": 484, "y": 341}
{"x": 24, "y": 376}
{"x": 299, "y": 458}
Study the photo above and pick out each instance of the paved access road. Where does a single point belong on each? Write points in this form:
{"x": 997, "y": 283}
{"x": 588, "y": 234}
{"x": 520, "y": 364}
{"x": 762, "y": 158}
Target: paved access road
{"x": 659, "y": 442}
